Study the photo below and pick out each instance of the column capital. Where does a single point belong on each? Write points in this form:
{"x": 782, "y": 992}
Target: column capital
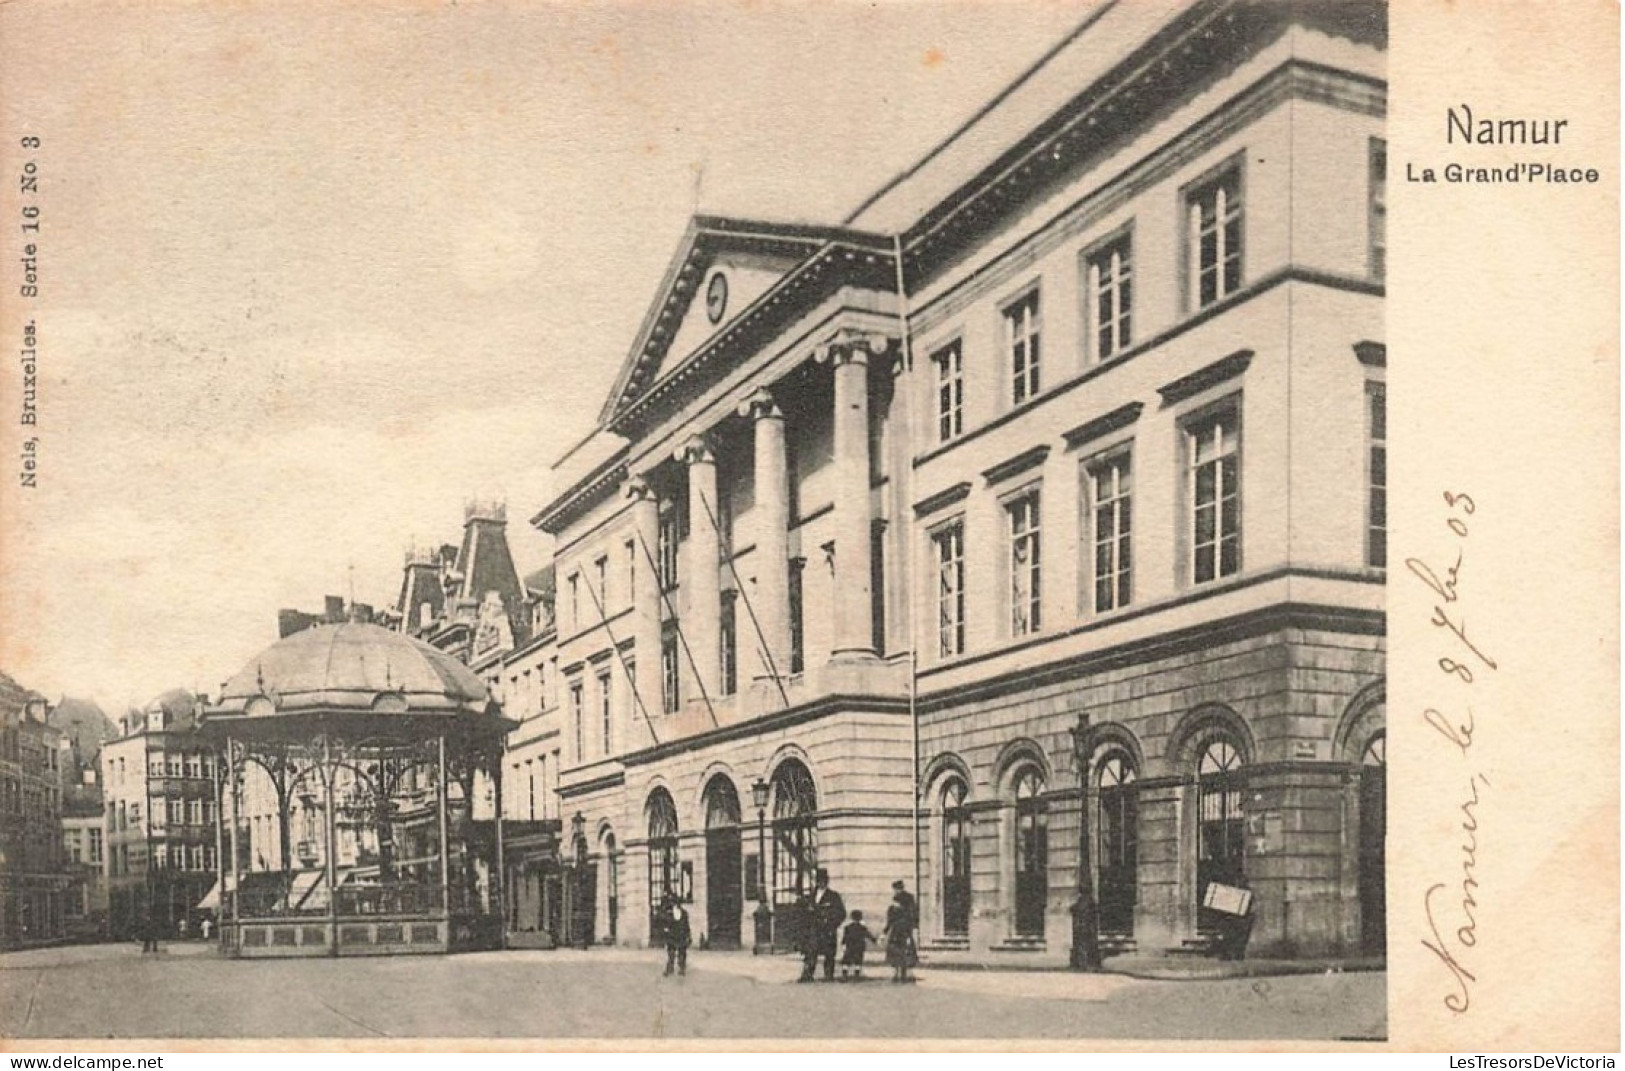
{"x": 638, "y": 490}
{"x": 761, "y": 406}
{"x": 852, "y": 346}
{"x": 695, "y": 451}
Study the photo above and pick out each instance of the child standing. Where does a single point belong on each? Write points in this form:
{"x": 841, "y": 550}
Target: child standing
{"x": 855, "y": 940}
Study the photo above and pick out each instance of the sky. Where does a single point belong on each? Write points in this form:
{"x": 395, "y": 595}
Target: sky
{"x": 312, "y": 276}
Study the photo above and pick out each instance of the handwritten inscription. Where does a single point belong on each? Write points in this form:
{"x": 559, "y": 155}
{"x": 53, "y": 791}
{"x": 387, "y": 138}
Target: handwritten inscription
{"x": 1451, "y": 907}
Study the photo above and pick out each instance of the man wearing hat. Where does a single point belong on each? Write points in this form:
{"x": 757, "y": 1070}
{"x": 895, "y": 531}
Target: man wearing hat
{"x": 823, "y": 913}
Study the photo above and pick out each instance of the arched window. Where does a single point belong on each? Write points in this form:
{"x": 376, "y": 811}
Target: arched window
{"x": 795, "y": 831}
{"x": 1118, "y": 825}
{"x": 955, "y": 857}
{"x": 1373, "y": 844}
{"x": 1032, "y": 852}
{"x": 1221, "y": 827}
{"x": 721, "y": 803}
{"x": 664, "y": 879}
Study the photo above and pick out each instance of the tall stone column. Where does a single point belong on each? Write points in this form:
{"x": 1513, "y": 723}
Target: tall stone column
{"x": 701, "y": 594}
{"x": 645, "y": 611}
{"x": 769, "y": 594}
{"x": 899, "y": 563}
{"x": 849, "y": 355}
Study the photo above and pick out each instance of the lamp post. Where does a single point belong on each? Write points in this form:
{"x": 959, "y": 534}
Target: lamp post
{"x": 578, "y": 837}
{"x": 759, "y": 793}
{"x": 1085, "y": 912}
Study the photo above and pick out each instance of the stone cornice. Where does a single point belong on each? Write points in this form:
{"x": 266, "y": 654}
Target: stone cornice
{"x": 822, "y": 707}
{"x": 942, "y": 499}
{"x": 1101, "y": 426}
{"x": 1177, "y": 62}
{"x": 587, "y": 492}
{"x": 1030, "y": 458}
{"x": 866, "y": 263}
{"x": 1189, "y": 386}
{"x": 1292, "y": 80}
{"x": 1035, "y": 670}
{"x": 1190, "y": 323}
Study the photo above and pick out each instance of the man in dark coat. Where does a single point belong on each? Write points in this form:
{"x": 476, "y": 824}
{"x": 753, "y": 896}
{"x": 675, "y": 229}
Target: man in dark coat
{"x": 677, "y": 935}
{"x": 822, "y": 914}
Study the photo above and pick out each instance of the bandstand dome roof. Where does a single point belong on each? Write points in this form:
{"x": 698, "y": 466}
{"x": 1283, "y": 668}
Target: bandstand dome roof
{"x": 353, "y": 668}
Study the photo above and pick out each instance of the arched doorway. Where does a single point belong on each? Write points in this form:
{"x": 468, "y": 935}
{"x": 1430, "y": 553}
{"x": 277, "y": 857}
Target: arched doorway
{"x": 1373, "y": 845}
{"x": 724, "y": 893}
{"x": 1118, "y": 823}
{"x": 795, "y": 847}
{"x": 1032, "y": 852}
{"x": 1221, "y": 828}
{"x": 664, "y": 879}
{"x": 955, "y": 857}
{"x": 610, "y": 883}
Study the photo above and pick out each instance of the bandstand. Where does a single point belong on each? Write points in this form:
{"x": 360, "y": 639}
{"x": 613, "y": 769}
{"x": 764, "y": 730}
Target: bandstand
{"x": 356, "y": 760}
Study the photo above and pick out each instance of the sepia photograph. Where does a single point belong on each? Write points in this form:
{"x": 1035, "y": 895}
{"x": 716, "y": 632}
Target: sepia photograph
{"x": 708, "y": 522}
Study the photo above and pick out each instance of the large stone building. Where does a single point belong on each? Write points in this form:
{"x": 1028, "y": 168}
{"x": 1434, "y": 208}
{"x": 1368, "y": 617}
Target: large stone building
{"x": 1082, "y": 415}
{"x": 34, "y": 879}
{"x": 159, "y": 792}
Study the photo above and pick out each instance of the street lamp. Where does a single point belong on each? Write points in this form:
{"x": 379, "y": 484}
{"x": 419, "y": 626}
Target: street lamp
{"x": 1085, "y": 912}
{"x": 759, "y": 794}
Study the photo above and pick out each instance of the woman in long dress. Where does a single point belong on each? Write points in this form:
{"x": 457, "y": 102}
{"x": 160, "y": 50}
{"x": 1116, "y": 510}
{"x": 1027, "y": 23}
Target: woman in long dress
{"x": 902, "y": 918}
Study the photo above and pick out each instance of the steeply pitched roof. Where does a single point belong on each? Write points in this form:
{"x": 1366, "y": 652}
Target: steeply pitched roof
{"x": 85, "y": 723}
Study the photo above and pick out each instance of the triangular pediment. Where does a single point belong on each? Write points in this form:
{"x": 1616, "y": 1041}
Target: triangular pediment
{"x": 722, "y": 268}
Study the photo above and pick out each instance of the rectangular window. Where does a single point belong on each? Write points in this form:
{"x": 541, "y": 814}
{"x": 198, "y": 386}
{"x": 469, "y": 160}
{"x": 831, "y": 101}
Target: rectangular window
{"x": 601, "y": 575}
{"x": 1026, "y": 564}
{"x": 1214, "y": 252}
{"x": 1110, "y": 290}
{"x": 949, "y": 544}
{"x": 1378, "y": 209}
{"x": 1213, "y": 445}
{"x": 578, "y": 718}
{"x": 668, "y": 539}
{"x": 798, "y": 632}
{"x": 1109, "y": 482}
{"x": 606, "y": 716}
{"x": 173, "y": 764}
{"x": 670, "y": 672}
{"x": 1376, "y": 540}
{"x": 1021, "y": 342}
{"x": 729, "y": 642}
{"x": 575, "y": 601}
{"x": 194, "y": 812}
{"x": 950, "y": 367}
{"x": 95, "y": 845}
{"x": 194, "y": 766}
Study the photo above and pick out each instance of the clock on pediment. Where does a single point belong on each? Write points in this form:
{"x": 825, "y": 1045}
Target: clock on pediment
{"x": 716, "y": 297}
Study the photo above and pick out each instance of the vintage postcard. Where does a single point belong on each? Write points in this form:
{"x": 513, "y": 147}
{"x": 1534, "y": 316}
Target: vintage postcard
{"x": 938, "y": 523}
